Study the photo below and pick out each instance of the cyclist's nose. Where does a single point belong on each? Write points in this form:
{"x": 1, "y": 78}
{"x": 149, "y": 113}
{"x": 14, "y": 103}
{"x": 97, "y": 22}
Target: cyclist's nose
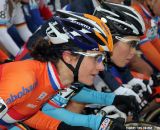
{"x": 132, "y": 51}
{"x": 100, "y": 66}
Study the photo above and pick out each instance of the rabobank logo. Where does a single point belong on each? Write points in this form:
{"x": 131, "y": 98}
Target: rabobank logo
{"x": 21, "y": 93}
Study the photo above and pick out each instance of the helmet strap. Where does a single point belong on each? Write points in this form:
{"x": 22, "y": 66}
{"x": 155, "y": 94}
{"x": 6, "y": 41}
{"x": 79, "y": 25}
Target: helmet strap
{"x": 76, "y": 69}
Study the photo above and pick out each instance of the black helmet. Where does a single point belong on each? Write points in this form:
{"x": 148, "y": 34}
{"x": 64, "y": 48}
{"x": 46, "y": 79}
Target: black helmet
{"x": 122, "y": 20}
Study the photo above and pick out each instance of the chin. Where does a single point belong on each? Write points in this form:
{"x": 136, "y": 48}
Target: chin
{"x": 88, "y": 80}
{"x": 89, "y": 83}
{"x": 121, "y": 65}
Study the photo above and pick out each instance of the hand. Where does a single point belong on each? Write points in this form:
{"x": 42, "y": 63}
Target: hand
{"x": 145, "y": 85}
{"x": 126, "y": 91}
{"x": 112, "y": 124}
{"x": 135, "y": 82}
{"x": 128, "y": 101}
{"x": 112, "y": 112}
{"x": 136, "y": 89}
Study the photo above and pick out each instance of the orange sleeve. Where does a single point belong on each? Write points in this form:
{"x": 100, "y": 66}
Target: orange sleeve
{"x": 156, "y": 43}
{"x": 151, "y": 53}
{"x": 139, "y": 75}
{"x": 150, "y": 49}
{"x": 41, "y": 121}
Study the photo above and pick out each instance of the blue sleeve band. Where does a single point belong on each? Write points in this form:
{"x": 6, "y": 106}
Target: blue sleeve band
{"x": 91, "y": 96}
{"x": 32, "y": 17}
{"x": 14, "y": 34}
{"x": 74, "y": 119}
{"x": 37, "y": 19}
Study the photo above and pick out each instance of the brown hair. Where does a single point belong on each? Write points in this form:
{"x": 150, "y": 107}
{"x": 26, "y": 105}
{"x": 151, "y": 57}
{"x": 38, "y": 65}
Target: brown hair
{"x": 43, "y": 50}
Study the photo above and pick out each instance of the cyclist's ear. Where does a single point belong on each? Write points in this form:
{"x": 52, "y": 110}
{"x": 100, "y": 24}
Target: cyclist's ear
{"x": 66, "y": 55}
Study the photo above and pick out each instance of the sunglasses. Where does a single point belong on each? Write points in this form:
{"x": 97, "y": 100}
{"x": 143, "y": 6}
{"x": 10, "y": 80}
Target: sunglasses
{"x": 132, "y": 42}
{"x": 99, "y": 57}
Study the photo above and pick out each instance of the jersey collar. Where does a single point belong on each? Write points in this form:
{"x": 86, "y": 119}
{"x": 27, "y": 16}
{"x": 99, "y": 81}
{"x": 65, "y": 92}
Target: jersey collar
{"x": 53, "y": 77}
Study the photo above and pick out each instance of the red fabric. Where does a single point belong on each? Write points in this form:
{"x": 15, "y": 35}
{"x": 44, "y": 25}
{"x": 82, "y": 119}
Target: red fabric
{"x": 46, "y": 13}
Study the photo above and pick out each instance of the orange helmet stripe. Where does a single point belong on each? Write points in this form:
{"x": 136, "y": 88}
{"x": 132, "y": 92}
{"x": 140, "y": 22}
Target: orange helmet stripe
{"x": 109, "y": 42}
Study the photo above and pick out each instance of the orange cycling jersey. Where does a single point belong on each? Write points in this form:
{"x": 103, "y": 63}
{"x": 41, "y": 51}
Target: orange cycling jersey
{"x": 25, "y": 87}
{"x": 150, "y": 43}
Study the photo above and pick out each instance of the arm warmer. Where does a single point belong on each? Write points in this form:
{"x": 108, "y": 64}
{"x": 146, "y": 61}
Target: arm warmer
{"x": 74, "y": 119}
{"x": 91, "y": 96}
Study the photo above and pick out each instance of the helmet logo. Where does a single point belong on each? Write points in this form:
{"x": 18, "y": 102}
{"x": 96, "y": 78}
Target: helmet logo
{"x": 81, "y": 24}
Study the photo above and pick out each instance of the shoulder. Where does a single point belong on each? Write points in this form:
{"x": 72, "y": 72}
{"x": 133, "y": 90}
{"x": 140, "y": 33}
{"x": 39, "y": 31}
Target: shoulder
{"x": 22, "y": 66}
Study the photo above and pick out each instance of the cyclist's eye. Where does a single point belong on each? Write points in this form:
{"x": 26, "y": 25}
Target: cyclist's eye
{"x": 99, "y": 58}
{"x": 133, "y": 44}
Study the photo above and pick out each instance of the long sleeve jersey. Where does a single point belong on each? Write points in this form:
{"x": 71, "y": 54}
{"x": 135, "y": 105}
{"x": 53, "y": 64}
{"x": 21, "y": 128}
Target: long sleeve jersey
{"x": 150, "y": 42}
{"x": 25, "y": 87}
